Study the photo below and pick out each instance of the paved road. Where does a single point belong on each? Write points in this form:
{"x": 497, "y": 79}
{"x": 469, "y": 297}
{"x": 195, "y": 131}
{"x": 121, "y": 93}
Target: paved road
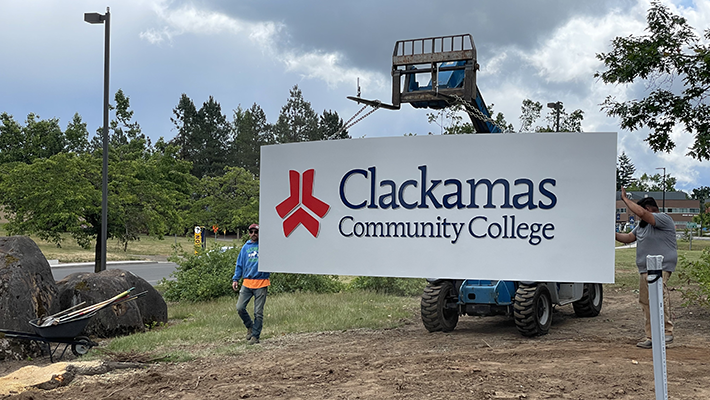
{"x": 152, "y": 272}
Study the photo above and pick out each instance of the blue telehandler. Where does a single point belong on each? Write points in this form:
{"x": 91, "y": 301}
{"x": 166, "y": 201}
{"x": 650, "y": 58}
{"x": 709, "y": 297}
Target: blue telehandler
{"x": 440, "y": 72}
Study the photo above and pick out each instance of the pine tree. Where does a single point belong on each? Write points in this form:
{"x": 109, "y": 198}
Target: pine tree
{"x": 625, "y": 171}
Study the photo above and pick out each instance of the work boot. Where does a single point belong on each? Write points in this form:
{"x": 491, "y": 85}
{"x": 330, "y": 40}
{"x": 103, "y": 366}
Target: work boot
{"x": 248, "y": 334}
{"x": 645, "y": 344}
{"x": 669, "y": 339}
{"x": 253, "y": 340}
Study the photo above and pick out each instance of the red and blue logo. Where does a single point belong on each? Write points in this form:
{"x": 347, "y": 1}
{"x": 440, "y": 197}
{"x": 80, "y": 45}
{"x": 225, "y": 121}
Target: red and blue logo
{"x": 293, "y": 209}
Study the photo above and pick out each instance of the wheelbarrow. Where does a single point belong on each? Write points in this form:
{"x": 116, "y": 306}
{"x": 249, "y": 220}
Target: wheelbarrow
{"x": 66, "y": 326}
{"x": 66, "y": 333}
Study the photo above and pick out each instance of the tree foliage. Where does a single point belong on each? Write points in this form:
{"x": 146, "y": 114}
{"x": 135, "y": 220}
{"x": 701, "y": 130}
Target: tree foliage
{"x": 203, "y": 136}
{"x": 625, "y": 171}
{"x": 64, "y": 197}
{"x": 668, "y": 53}
{"x": 52, "y": 194}
{"x": 653, "y": 183}
{"x": 251, "y": 131}
{"x": 297, "y": 121}
{"x": 451, "y": 120}
{"x": 531, "y": 112}
{"x": 39, "y": 138}
{"x": 230, "y": 201}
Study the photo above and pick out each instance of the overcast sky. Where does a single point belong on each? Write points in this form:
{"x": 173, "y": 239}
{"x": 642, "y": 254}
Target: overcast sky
{"x": 243, "y": 52}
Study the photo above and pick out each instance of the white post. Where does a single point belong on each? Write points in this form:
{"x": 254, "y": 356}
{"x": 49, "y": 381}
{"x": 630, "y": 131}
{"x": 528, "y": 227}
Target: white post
{"x": 658, "y": 334}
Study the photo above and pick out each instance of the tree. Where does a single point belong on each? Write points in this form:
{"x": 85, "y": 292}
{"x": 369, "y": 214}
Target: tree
{"x": 230, "y": 200}
{"x": 39, "y": 138}
{"x": 625, "y": 171}
{"x": 126, "y": 140}
{"x": 203, "y": 136}
{"x": 702, "y": 194}
{"x": 329, "y": 124}
{"x": 64, "y": 197}
{"x": 670, "y": 51}
{"x": 531, "y": 111}
{"x": 653, "y": 183}
{"x": 251, "y": 131}
{"x": 297, "y": 121}
{"x": 451, "y": 121}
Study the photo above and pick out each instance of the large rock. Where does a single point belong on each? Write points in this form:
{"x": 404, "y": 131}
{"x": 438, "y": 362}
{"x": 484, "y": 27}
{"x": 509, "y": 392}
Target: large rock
{"x": 126, "y": 318}
{"x": 27, "y": 291}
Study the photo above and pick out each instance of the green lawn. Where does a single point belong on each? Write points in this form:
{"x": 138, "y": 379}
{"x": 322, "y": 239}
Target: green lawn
{"x": 145, "y": 247}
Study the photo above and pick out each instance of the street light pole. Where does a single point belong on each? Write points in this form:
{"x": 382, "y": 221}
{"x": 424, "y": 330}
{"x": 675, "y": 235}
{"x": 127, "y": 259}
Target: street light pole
{"x": 664, "y": 187}
{"x": 96, "y": 18}
{"x": 558, "y": 109}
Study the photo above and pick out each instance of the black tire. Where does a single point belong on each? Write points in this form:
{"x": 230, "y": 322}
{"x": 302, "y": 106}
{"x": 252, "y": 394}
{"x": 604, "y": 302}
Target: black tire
{"x": 591, "y": 302}
{"x": 440, "y": 310}
{"x": 532, "y": 309}
{"x": 81, "y": 346}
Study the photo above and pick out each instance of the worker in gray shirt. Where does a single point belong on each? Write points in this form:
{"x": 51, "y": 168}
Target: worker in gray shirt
{"x": 654, "y": 235}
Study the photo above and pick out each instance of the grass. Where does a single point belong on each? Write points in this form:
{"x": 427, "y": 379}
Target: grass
{"x": 143, "y": 248}
{"x": 626, "y": 273}
{"x": 213, "y": 328}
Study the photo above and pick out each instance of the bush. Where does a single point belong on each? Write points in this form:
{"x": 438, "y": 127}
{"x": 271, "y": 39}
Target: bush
{"x": 208, "y": 275}
{"x": 202, "y": 276}
{"x": 695, "y": 279}
{"x": 387, "y": 285}
{"x": 290, "y": 283}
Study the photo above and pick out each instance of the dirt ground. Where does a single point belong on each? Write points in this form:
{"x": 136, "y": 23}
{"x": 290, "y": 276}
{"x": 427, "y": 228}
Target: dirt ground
{"x": 484, "y": 358}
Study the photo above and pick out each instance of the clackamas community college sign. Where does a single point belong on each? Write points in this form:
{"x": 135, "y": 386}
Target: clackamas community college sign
{"x": 536, "y": 207}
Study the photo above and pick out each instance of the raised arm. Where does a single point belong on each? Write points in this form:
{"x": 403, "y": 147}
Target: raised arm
{"x": 641, "y": 212}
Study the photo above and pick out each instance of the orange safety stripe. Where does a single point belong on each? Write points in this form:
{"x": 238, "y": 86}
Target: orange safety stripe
{"x": 256, "y": 283}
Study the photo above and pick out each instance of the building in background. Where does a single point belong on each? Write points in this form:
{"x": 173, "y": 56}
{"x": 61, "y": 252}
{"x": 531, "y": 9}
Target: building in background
{"x": 677, "y": 204}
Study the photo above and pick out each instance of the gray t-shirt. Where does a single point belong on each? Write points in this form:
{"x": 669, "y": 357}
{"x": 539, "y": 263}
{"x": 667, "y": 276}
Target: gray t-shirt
{"x": 657, "y": 240}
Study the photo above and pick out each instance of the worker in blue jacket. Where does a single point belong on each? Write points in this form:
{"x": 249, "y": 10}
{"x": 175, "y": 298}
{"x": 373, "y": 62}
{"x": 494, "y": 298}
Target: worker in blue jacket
{"x": 255, "y": 284}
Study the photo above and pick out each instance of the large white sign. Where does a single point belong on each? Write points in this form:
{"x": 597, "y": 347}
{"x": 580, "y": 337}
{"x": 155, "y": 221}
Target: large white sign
{"x": 523, "y": 207}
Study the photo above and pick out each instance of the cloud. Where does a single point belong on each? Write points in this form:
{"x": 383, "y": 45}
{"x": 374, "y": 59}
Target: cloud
{"x": 188, "y": 19}
{"x": 570, "y": 53}
{"x": 270, "y": 37}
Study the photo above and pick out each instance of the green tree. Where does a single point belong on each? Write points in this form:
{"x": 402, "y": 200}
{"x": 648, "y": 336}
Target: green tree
{"x": 39, "y": 138}
{"x": 230, "y": 200}
{"x": 64, "y": 197}
{"x": 329, "y": 124}
{"x": 203, "y": 136}
{"x": 653, "y": 183}
{"x": 251, "y": 131}
{"x": 625, "y": 171}
{"x": 451, "y": 120}
{"x": 702, "y": 194}
{"x": 531, "y": 111}
{"x": 673, "y": 62}
{"x": 297, "y": 121}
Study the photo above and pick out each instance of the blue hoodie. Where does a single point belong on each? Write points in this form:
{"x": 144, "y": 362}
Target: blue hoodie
{"x": 248, "y": 263}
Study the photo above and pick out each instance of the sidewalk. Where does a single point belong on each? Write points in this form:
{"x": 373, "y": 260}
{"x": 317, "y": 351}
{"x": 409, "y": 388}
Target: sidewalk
{"x": 56, "y": 264}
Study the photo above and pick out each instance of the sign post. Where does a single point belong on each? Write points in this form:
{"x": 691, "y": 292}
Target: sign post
{"x": 199, "y": 240}
{"x": 658, "y": 333}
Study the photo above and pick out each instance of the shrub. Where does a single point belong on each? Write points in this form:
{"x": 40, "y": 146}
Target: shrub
{"x": 695, "y": 279}
{"x": 202, "y": 276}
{"x": 387, "y": 285}
{"x": 290, "y": 283}
{"x": 208, "y": 275}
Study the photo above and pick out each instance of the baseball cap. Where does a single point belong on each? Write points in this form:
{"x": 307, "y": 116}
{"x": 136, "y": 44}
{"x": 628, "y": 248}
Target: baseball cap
{"x": 254, "y": 226}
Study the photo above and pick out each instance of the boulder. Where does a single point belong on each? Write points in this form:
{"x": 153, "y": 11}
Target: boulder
{"x": 27, "y": 291}
{"x": 130, "y": 317}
